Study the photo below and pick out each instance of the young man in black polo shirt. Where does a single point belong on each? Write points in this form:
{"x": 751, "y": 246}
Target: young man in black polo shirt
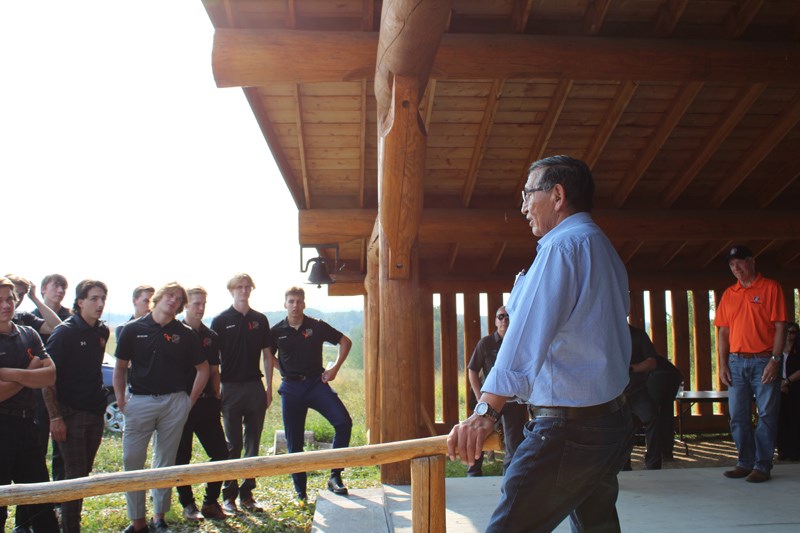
{"x": 47, "y": 321}
{"x": 244, "y": 342}
{"x": 77, "y": 402}
{"x": 54, "y": 288}
{"x": 24, "y": 366}
{"x": 161, "y": 352}
{"x": 204, "y": 418}
{"x": 141, "y": 305}
{"x": 298, "y": 343}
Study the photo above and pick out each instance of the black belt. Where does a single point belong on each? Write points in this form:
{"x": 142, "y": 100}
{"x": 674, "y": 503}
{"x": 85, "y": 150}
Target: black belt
{"x": 19, "y": 413}
{"x": 593, "y": 411}
{"x": 298, "y": 377}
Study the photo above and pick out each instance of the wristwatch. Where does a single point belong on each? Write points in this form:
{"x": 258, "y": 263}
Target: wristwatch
{"x": 484, "y": 409}
{"x": 777, "y": 357}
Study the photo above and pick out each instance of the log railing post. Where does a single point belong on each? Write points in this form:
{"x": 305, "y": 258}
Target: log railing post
{"x": 428, "y": 494}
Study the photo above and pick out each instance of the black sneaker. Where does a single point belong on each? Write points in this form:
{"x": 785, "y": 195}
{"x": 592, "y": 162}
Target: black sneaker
{"x": 131, "y": 529}
{"x": 160, "y": 526}
{"x": 336, "y": 486}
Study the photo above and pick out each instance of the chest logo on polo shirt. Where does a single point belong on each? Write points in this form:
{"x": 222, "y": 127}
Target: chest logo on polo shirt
{"x": 174, "y": 338}
{"x": 756, "y": 299}
{"x": 30, "y": 354}
{"x": 102, "y": 342}
{"x": 206, "y": 342}
{"x": 83, "y": 343}
{"x": 253, "y": 325}
{"x": 307, "y": 333}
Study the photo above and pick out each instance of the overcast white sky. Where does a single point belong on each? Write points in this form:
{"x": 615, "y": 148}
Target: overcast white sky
{"x": 122, "y": 161}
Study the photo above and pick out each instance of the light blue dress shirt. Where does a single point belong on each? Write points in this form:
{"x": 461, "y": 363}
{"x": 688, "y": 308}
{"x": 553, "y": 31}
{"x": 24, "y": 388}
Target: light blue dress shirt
{"x": 567, "y": 342}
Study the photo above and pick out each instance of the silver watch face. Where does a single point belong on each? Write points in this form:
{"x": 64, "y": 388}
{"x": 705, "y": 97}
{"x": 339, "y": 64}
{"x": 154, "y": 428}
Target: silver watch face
{"x": 482, "y": 408}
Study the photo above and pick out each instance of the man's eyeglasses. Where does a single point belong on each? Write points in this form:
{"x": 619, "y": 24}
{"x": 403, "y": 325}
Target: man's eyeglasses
{"x": 502, "y": 316}
{"x": 526, "y": 192}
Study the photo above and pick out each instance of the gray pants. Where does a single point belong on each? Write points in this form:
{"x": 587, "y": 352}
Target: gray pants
{"x": 244, "y": 406}
{"x": 165, "y": 415}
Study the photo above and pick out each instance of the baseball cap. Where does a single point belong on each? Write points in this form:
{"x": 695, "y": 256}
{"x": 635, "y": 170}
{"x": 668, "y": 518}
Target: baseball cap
{"x": 739, "y": 252}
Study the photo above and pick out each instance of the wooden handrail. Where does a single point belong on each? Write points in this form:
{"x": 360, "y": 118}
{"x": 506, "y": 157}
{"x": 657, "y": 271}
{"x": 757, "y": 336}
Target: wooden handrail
{"x": 375, "y": 454}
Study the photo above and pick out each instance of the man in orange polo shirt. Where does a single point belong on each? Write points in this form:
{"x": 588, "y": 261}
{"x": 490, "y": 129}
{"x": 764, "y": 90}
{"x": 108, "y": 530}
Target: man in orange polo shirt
{"x": 751, "y": 329}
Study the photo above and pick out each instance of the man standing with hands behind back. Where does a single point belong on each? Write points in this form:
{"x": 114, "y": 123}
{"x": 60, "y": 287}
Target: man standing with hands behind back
{"x": 751, "y": 322}
{"x": 566, "y": 352}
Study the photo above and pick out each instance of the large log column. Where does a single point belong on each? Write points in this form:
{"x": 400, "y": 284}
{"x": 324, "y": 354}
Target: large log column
{"x": 410, "y": 34}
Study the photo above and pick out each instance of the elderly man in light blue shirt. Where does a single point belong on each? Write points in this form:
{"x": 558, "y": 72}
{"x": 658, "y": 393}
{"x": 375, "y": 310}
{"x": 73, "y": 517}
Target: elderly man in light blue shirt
{"x": 566, "y": 352}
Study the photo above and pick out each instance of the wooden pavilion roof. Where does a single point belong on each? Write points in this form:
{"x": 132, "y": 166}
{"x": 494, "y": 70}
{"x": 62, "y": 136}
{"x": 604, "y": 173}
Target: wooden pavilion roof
{"x": 688, "y": 112}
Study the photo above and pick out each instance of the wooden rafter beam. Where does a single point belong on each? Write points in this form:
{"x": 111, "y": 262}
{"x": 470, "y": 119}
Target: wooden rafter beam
{"x": 682, "y": 102}
{"x": 290, "y": 17}
{"x": 713, "y": 252}
{"x": 520, "y": 13}
{"x": 668, "y": 16}
{"x": 362, "y": 146}
{"x": 446, "y": 226}
{"x": 497, "y": 254}
{"x": 428, "y": 98}
{"x": 301, "y": 145}
{"x": 781, "y": 180}
{"x": 539, "y": 145}
{"x": 669, "y": 252}
{"x": 739, "y": 171}
{"x": 243, "y": 58}
{"x": 367, "y": 15}
{"x": 740, "y": 16}
{"x": 621, "y": 100}
{"x": 452, "y": 255}
{"x": 739, "y": 107}
{"x": 629, "y": 249}
{"x": 262, "y": 118}
{"x": 788, "y": 256}
{"x": 492, "y": 102}
{"x": 595, "y": 16}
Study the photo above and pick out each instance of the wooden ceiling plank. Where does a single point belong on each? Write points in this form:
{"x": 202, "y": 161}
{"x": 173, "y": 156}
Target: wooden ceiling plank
{"x": 242, "y": 58}
{"x": 492, "y": 102}
{"x": 739, "y": 107}
{"x": 301, "y": 145}
{"x": 497, "y": 254}
{"x": 274, "y": 144}
{"x": 782, "y": 179}
{"x": 362, "y": 175}
{"x": 539, "y": 145}
{"x": 738, "y": 172}
{"x": 788, "y": 256}
{"x": 681, "y": 103}
{"x": 740, "y": 16}
{"x": 595, "y": 16}
{"x": 609, "y": 123}
{"x": 521, "y": 12}
{"x": 452, "y": 255}
{"x": 669, "y": 14}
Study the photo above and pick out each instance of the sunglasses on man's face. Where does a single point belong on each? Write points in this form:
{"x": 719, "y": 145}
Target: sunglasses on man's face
{"x": 502, "y": 316}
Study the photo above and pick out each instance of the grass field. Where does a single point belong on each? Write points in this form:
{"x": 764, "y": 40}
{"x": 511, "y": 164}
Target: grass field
{"x": 276, "y": 494}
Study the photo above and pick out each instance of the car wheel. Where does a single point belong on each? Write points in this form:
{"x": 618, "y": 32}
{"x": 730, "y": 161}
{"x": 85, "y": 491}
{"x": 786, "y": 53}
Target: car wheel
{"x": 115, "y": 420}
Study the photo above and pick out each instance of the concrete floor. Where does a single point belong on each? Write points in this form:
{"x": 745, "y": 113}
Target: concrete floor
{"x": 690, "y": 499}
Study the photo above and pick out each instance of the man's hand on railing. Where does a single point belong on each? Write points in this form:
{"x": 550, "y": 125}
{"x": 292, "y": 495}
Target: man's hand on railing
{"x": 465, "y": 440}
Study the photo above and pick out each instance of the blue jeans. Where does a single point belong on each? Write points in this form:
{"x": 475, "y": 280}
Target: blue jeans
{"x": 756, "y": 448}
{"x": 297, "y": 397}
{"x": 565, "y": 467}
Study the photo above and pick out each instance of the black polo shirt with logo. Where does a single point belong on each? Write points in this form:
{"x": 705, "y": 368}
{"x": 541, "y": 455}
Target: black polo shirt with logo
{"x": 17, "y": 349}
{"x": 24, "y": 318}
{"x": 241, "y": 339}
{"x": 210, "y": 343}
{"x": 77, "y": 349}
{"x": 300, "y": 350}
{"x": 162, "y": 357}
{"x": 63, "y": 313}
